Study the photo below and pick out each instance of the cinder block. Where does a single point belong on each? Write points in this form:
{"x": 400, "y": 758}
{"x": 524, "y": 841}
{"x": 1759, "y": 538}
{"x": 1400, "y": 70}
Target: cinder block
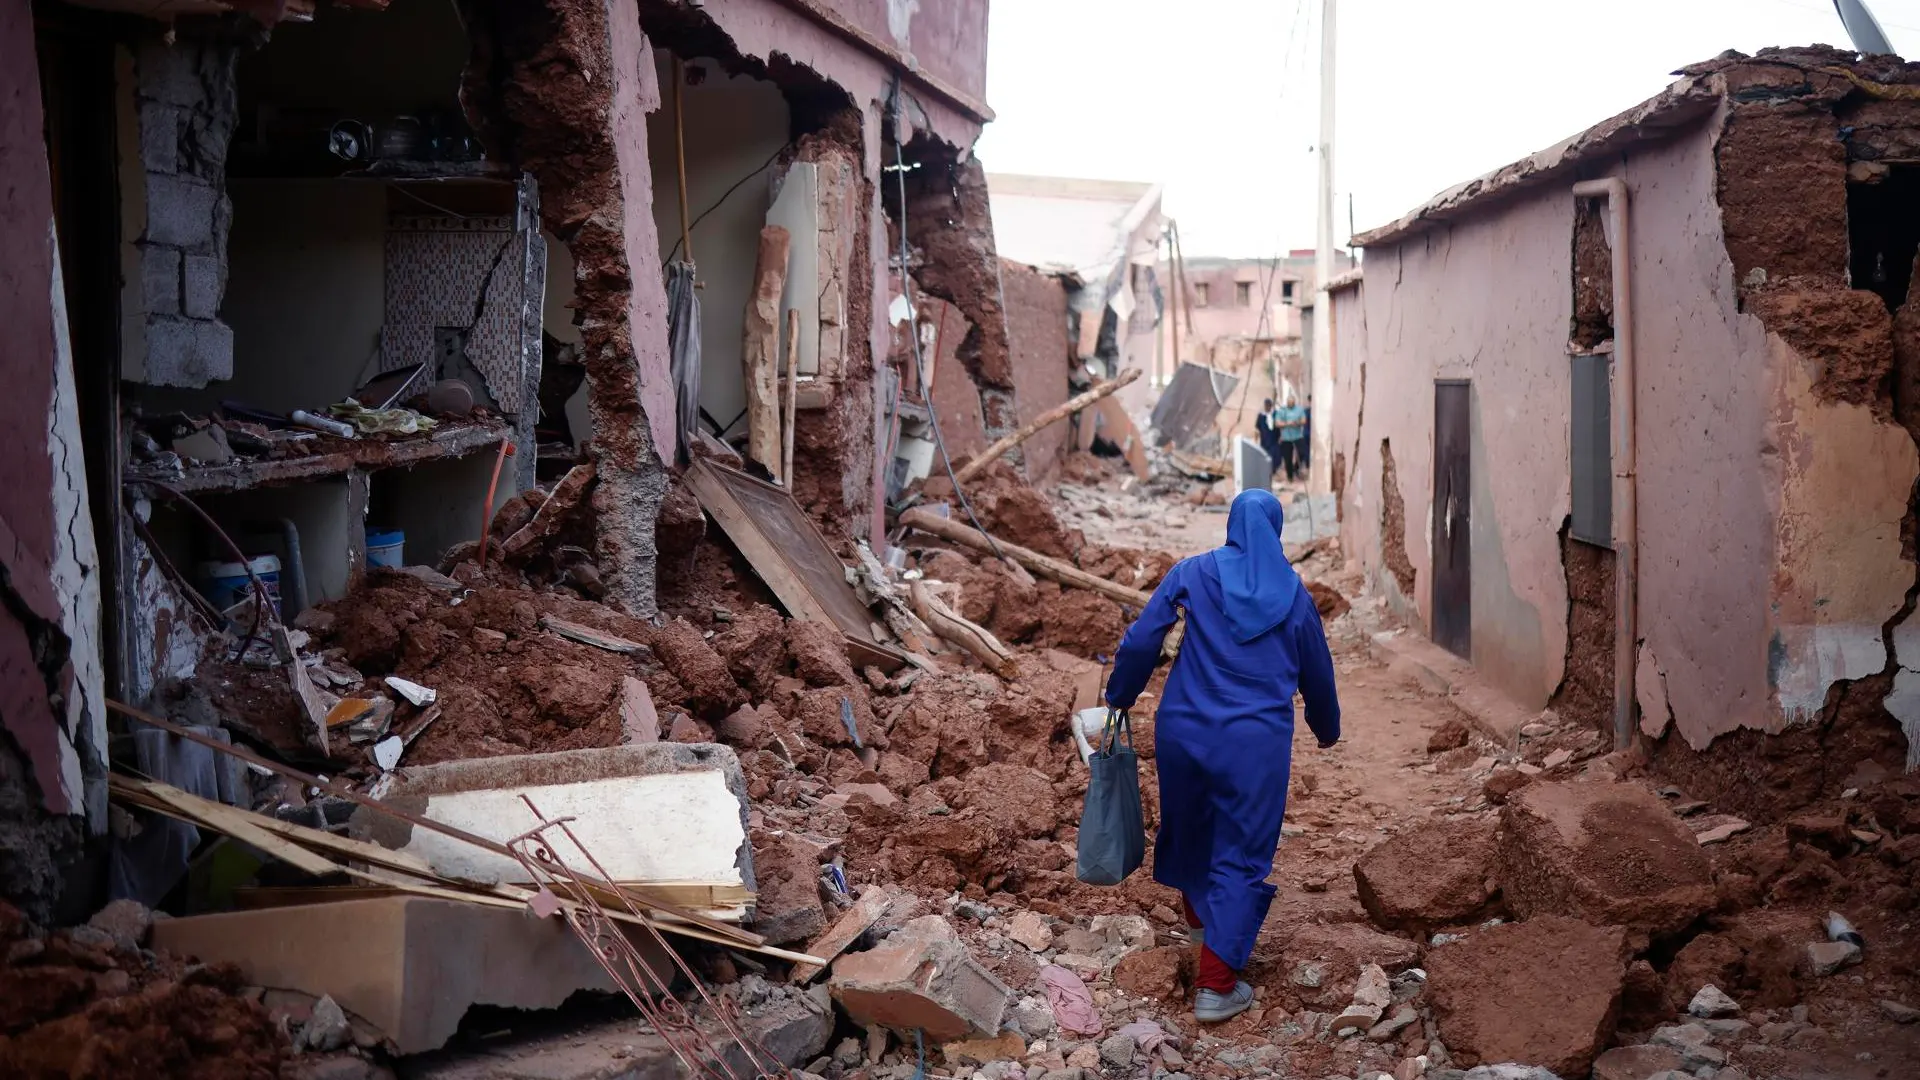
{"x": 188, "y": 352}
{"x": 180, "y": 212}
{"x": 205, "y": 280}
{"x": 160, "y": 137}
{"x": 160, "y": 279}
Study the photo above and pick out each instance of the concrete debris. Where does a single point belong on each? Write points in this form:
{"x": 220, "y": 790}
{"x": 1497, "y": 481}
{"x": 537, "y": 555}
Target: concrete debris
{"x": 128, "y": 922}
{"x": 1898, "y": 1012}
{"x": 327, "y": 1028}
{"x": 1117, "y": 1051}
{"x": 1031, "y": 930}
{"x": 921, "y": 978}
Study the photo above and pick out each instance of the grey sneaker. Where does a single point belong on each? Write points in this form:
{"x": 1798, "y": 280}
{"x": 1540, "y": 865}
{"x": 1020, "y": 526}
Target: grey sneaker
{"x": 1212, "y": 1006}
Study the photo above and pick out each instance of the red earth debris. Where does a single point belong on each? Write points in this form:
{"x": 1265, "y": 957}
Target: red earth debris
{"x": 1545, "y": 992}
{"x": 1440, "y": 873}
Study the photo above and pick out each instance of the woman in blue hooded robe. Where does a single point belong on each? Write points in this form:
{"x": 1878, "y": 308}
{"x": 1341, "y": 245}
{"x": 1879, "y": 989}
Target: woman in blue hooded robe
{"x": 1223, "y": 733}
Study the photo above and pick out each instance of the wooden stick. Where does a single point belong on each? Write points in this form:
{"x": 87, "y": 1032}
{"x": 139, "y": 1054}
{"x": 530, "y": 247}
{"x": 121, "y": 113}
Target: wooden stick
{"x": 793, "y": 395}
{"x": 1027, "y": 430}
{"x": 760, "y": 350}
{"x": 680, "y": 152}
{"x": 1053, "y": 569}
{"x": 954, "y": 627}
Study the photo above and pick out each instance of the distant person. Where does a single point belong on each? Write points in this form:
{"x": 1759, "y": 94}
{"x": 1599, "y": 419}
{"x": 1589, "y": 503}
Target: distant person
{"x": 1269, "y": 435}
{"x": 1223, "y": 732}
{"x": 1290, "y": 420}
{"x": 1306, "y": 437}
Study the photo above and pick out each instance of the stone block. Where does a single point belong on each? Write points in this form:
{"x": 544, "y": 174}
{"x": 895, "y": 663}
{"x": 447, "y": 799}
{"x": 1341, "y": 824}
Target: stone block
{"x": 1546, "y": 992}
{"x": 188, "y": 352}
{"x": 1609, "y": 853}
{"x": 921, "y": 978}
{"x": 205, "y": 283}
{"x": 160, "y": 279}
{"x": 1440, "y": 873}
{"x": 181, "y": 212}
{"x": 160, "y": 138}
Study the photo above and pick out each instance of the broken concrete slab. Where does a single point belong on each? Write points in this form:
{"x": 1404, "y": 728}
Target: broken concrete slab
{"x": 1438, "y": 873}
{"x": 1607, "y": 852}
{"x": 921, "y": 978}
{"x": 1545, "y": 991}
{"x": 693, "y": 797}
{"x": 410, "y": 966}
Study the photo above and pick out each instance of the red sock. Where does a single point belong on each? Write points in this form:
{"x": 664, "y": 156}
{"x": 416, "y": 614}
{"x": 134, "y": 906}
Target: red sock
{"x": 1214, "y": 973}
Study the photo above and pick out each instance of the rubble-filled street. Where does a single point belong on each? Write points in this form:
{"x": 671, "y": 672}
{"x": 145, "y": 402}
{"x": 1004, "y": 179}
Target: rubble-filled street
{"x": 661, "y": 540}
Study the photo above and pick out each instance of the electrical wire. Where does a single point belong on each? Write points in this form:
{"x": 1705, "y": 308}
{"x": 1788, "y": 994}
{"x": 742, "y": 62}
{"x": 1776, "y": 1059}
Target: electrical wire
{"x": 919, "y": 365}
{"x": 721, "y": 201}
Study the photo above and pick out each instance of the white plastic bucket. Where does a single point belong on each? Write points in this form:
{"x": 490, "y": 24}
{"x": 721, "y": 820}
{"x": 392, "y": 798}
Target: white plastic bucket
{"x": 226, "y": 583}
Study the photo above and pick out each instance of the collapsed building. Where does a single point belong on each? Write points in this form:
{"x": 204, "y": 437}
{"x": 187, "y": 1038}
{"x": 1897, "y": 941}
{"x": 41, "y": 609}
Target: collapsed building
{"x": 1629, "y": 424}
{"x": 234, "y": 217}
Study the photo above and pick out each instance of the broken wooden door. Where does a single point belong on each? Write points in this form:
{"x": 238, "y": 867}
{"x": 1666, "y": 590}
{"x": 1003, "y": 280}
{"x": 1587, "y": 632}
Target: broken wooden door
{"x": 1452, "y": 500}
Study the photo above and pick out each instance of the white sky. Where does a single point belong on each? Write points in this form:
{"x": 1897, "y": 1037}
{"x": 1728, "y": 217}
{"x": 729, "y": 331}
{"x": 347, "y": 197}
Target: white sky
{"x": 1207, "y": 97}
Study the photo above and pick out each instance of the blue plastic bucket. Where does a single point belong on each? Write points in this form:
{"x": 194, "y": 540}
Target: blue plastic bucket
{"x": 384, "y": 547}
{"x": 226, "y": 583}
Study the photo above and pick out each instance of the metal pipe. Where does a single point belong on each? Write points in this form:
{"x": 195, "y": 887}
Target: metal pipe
{"x": 1626, "y": 527}
{"x": 293, "y": 598}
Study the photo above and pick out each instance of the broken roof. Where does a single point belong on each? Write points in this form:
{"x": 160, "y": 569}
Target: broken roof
{"x": 1685, "y": 101}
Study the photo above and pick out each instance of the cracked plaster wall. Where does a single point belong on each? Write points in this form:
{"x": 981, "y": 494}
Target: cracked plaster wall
{"x": 1771, "y": 499}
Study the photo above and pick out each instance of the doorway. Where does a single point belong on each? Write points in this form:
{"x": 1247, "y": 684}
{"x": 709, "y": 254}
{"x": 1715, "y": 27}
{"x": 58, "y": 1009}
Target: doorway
{"x": 1452, "y": 503}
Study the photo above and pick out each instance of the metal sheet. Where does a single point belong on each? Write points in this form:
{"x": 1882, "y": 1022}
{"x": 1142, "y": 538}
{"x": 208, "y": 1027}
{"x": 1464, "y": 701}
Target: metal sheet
{"x": 1190, "y": 402}
{"x": 1593, "y": 450}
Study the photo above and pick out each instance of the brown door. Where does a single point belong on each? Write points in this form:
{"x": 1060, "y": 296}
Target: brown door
{"x": 1452, "y": 500}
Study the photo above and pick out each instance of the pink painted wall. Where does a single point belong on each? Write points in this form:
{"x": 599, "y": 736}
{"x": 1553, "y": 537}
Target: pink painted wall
{"x": 636, "y": 92}
{"x": 947, "y": 38}
{"x": 1769, "y": 546}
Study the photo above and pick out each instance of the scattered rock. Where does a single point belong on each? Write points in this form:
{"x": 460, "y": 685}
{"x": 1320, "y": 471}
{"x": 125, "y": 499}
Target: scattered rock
{"x": 1006, "y": 1046}
{"x": 1898, "y": 1013}
{"x": 1717, "y": 828}
{"x": 1609, "y": 853}
{"x": 128, "y": 921}
{"x": 1116, "y": 1052}
{"x": 1031, "y": 930}
{"x": 1507, "y": 1072}
{"x": 1086, "y": 1057}
{"x": 1152, "y": 973}
{"x": 1546, "y": 990}
{"x": 1435, "y": 874}
{"x": 1324, "y": 959}
{"x": 1712, "y": 1003}
{"x": 1557, "y": 758}
{"x": 327, "y": 1029}
{"x": 1451, "y": 735}
{"x": 1826, "y": 957}
{"x": 1392, "y": 1026}
{"x": 1635, "y": 1062}
{"x": 1503, "y": 784}
{"x": 1693, "y": 1042}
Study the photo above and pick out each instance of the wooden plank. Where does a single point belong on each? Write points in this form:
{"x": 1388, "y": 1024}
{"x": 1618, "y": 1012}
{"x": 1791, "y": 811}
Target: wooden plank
{"x": 552, "y": 514}
{"x": 238, "y": 824}
{"x": 587, "y": 635}
{"x": 865, "y": 912}
{"x": 788, "y": 553}
{"x": 728, "y": 934}
{"x": 1027, "y": 430}
{"x": 760, "y": 351}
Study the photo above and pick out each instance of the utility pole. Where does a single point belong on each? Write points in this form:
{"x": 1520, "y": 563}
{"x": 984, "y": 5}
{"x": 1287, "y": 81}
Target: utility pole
{"x": 1320, "y": 378}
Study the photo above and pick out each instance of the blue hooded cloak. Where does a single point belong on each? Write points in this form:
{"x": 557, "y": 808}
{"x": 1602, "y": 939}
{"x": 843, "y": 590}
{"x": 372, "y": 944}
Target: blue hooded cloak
{"x": 1223, "y": 732}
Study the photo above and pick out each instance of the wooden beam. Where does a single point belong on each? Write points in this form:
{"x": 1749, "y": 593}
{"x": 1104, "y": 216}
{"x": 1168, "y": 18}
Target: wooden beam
{"x": 955, "y": 628}
{"x": 1050, "y": 568}
{"x": 760, "y": 351}
{"x": 1051, "y": 416}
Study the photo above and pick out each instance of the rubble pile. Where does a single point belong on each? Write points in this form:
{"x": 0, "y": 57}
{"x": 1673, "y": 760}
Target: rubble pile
{"x": 92, "y": 1003}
